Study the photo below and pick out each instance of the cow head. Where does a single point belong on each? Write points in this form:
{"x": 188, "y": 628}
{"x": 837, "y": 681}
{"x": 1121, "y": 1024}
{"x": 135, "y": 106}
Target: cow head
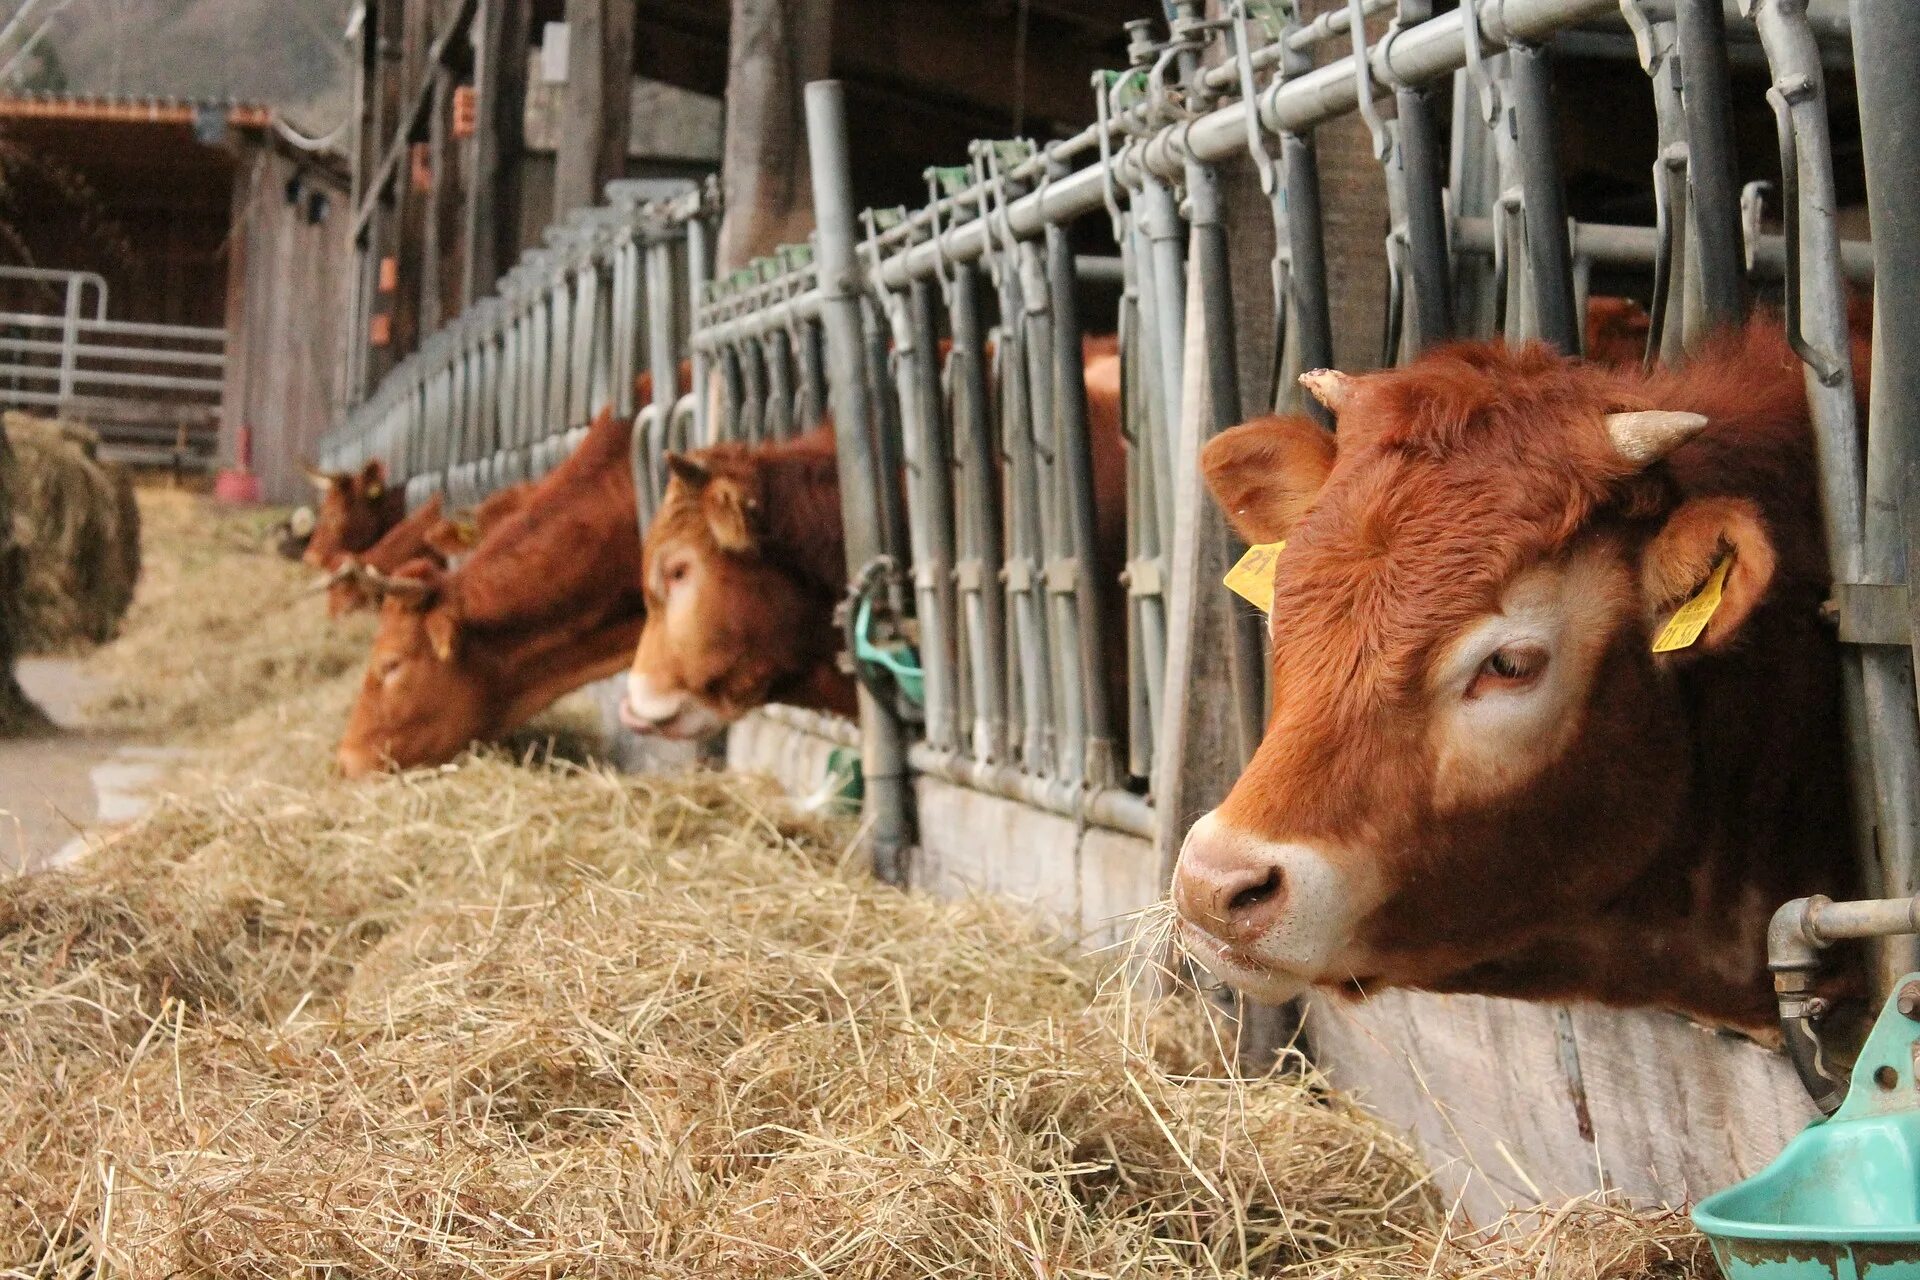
{"x": 355, "y": 509}
{"x": 741, "y": 567}
{"x": 425, "y": 694}
{"x": 1472, "y": 750}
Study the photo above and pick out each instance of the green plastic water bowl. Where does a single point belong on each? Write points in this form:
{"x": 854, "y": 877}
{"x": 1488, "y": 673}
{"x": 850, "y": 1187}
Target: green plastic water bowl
{"x": 1842, "y": 1202}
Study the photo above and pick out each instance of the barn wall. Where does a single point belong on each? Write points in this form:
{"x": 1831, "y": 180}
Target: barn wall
{"x": 287, "y": 283}
{"x": 1511, "y": 1103}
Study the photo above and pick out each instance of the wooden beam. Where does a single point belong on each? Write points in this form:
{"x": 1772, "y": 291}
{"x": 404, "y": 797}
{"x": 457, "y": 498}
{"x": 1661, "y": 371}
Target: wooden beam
{"x": 409, "y": 122}
{"x": 501, "y": 30}
{"x": 776, "y": 46}
{"x": 434, "y": 245}
{"x": 595, "y": 111}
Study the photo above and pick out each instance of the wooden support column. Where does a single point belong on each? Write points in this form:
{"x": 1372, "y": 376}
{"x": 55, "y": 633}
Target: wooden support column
{"x": 501, "y": 32}
{"x": 598, "y": 102}
{"x": 774, "y": 48}
{"x": 436, "y": 307}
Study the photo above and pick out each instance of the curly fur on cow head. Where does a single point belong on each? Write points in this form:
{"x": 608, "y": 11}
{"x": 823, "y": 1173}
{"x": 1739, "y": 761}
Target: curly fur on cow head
{"x": 1477, "y": 775}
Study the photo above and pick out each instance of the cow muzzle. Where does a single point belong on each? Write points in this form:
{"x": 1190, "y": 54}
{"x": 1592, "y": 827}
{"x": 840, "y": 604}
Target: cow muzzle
{"x": 1266, "y": 917}
{"x": 665, "y": 714}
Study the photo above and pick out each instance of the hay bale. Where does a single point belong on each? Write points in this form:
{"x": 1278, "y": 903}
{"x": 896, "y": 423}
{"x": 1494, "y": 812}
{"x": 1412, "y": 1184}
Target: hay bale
{"x": 77, "y": 529}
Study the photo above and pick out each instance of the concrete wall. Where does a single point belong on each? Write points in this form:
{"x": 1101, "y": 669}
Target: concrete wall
{"x": 1511, "y": 1103}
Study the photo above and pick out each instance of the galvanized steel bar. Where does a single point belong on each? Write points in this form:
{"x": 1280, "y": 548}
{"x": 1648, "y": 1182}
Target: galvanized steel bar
{"x": 888, "y": 796}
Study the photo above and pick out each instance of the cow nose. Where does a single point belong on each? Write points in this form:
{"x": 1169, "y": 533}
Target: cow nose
{"x": 1232, "y": 887}
{"x": 647, "y": 709}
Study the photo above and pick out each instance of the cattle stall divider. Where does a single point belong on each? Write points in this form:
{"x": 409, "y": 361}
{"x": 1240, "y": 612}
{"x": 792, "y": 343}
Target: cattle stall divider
{"x": 1026, "y": 532}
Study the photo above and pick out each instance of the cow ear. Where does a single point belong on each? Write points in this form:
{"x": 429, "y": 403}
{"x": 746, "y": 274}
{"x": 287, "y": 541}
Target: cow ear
{"x": 1266, "y": 473}
{"x": 1682, "y": 558}
{"x": 443, "y": 633}
{"x": 688, "y": 470}
{"x": 730, "y": 514}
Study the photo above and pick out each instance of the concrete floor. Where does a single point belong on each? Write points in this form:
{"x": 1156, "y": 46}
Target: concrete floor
{"x": 53, "y": 787}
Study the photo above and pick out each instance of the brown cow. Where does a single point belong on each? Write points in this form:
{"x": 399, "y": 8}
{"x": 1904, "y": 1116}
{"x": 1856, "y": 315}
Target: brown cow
{"x": 747, "y": 557}
{"x": 356, "y": 510}
{"x": 426, "y": 534}
{"x": 548, "y": 601}
{"x": 1617, "y": 330}
{"x": 1476, "y": 775}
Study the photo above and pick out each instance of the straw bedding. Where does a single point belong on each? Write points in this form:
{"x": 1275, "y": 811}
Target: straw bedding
{"x": 523, "y": 1017}
{"x": 78, "y": 531}
{"x": 220, "y": 626}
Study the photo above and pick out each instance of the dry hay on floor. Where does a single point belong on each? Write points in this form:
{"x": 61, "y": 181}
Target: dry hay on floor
{"x": 78, "y": 534}
{"x": 502, "y": 1021}
{"x": 219, "y": 627}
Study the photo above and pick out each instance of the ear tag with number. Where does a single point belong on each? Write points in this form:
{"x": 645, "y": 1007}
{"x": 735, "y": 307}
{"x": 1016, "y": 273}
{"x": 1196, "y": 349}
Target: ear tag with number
{"x": 1691, "y": 618}
{"x": 1252, "y": 578}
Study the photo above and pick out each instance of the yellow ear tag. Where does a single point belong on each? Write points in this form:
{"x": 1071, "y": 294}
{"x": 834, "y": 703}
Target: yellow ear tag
{"x": 1252, "y": 578}
{"x": 374, "y": 491}
{"x": 1691, "y": 618}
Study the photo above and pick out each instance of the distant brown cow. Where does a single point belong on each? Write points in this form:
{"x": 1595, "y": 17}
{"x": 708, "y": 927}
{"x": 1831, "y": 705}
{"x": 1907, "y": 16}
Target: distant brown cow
{"x": 1617, "y": 330}
{"x": 747, "y": 557}
{"x": 548, "y": 601}
{"x": 1476, "y": 775}
{"x": 427, "y": 534}
{"x": 356, "y": 510}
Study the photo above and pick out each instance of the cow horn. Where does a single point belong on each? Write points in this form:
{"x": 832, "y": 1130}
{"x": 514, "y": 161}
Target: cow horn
{"x": 691, "y": 472}
{"x": 321, "y": 480}
{"x": 1645, "y": 436}
{"x": 1330, "y": 387}
{"x": 399, "y": 587}
{"x": 347, "y": 568}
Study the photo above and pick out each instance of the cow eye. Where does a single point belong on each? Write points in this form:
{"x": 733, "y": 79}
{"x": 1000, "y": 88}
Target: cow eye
{"x": 677, "y": 571}
{"x": 1513, "y": 666}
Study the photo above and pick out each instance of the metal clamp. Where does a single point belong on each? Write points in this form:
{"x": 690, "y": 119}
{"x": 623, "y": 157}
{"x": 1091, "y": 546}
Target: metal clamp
{"x": 1363, "y": 82}
{"x": 1784, "y": 94}
{"x": 1483, "y": 84}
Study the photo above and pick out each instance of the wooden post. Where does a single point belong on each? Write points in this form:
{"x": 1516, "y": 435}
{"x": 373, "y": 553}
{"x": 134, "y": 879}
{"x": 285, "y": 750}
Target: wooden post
{"x": 500, "y": 35}
{"x": 774, "y": 48}
{"x": 592, "y": 137}
{"x": 435, "y": 245}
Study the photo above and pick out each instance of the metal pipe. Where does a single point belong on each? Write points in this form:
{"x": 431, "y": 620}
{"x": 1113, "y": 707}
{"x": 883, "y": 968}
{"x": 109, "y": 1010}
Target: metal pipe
{"x": 1713, "y": 188}
{"x": 1209, "y": 238}
{"x": 1417, "y": 153}
{"x": 699, "y": 271}
{"x": 660, "y": 361}
{"x": 1112, "y": 809}
{"x": 1544, "y": 203}
{"x": 1433, "y": 49}
{"x": 977, "y": 573}
{"x": 1616, "y": 245}
{"x": 1083, "y": 583}
{"x": 888, "y": 803}
{"x": 1860, "y": 495}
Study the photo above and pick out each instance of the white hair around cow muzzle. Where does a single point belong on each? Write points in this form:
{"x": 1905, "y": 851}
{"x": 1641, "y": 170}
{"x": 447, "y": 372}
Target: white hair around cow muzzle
{"x": 665, "y": 713}
{"x": 1266, "y": 917}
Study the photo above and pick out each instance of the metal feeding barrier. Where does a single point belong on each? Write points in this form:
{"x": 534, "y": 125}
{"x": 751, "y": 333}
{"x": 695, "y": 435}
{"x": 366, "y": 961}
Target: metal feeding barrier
{"x": 949, "y": 345}
{"x": 506, "y": 391}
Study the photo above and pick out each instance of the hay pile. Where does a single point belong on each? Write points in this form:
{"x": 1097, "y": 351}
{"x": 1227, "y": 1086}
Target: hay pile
{"x": 504, "y": 1022}
{"x": 220, "y": 626}
{"x": 78, "y": 531}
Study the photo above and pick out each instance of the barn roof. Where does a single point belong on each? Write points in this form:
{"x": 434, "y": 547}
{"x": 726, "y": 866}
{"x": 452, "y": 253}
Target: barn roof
{"x": 129, "y": 110}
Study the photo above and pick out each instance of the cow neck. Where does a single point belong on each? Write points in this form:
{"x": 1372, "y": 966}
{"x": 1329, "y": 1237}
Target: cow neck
{"x": 800, "y": 502}
{"x": 572, "y": 550}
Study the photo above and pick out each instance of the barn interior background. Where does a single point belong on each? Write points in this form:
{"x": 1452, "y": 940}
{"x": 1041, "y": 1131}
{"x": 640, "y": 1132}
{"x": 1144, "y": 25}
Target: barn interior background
{"x": 501, "y": 211}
